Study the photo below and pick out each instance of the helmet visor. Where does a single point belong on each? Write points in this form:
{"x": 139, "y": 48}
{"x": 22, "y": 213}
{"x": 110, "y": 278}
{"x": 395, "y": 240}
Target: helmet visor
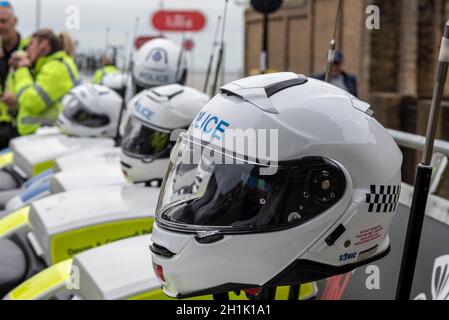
{"x": 142, "y": 141}
{"x": 207, "y": 190}
{"x": 76, "y": 112}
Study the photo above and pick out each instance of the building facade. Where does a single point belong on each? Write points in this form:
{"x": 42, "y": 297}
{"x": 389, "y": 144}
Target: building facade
{"x": 395, "y": 64}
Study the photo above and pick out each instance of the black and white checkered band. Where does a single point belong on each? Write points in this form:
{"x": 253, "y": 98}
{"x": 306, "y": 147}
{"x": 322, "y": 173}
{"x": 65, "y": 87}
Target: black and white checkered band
{"x": 383, "y": 198}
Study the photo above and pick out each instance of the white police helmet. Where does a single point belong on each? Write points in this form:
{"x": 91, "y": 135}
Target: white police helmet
{"x": 116, "y": 81}
{"x": 156, "y": 64}
{"x": 155, "y": 115}
{"x": 90, "y": 110}
{"x": 310, "y": 196}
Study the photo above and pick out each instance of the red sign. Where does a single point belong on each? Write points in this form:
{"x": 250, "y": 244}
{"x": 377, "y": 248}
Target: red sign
{"x": 179, "y": 21}
{"x": 188, "y": 45}
{"x": 140, "y": 41}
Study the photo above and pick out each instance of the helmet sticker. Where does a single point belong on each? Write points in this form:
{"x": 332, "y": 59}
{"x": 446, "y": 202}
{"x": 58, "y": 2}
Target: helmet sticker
{"x": 210, "y": 124}
{"x": 157, "y": 55}
{"x": 383, "y": 198}
{"x": 143, "y": 111}
{"x": 368, "y": 235}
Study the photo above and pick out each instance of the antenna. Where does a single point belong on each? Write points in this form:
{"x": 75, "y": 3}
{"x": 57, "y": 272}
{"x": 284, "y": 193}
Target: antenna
{"x": 181, "y": 53}
{"x": 423, "y": 178}
{"x": 220, "y": 52}
{"x": 162, "y": 8}
{"x": 211, "y": 58}
{"x": 333, "y": 44}
{"x": 125, "y": 46}
{"x": 127, "y": 73}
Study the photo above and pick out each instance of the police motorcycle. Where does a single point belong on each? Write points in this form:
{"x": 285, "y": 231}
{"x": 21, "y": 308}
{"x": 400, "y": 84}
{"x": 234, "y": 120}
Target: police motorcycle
{"x": 60, "y": 226}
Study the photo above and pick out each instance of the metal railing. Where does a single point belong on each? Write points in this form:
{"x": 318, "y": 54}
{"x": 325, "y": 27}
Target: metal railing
{"x": 437, "y": 207}
{"x": 417, "y": 142}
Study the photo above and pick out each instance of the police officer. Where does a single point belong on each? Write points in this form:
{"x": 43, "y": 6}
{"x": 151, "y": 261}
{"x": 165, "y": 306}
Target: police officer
{"x": 42, "y": 78}
{"x": 11, "y": 42}
{"x": 108, "y": 67}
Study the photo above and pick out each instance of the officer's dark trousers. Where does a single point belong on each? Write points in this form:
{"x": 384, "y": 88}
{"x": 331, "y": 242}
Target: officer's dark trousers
{"x": 7, "y": 132}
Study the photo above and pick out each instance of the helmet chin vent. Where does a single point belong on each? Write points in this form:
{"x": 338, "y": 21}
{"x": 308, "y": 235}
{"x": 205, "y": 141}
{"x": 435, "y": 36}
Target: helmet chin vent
{"x": 161, "y": 251}
{"x": 125, "y": 165}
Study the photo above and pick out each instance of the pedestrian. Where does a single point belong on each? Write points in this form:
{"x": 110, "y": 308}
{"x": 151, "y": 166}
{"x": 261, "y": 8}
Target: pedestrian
{"x": 339, "y": 77}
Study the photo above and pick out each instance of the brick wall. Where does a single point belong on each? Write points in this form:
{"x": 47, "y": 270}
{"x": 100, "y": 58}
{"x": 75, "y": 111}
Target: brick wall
{"x": 395, "y": 65}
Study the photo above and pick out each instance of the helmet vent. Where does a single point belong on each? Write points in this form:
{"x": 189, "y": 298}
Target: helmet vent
{"x": 272, "y": 89}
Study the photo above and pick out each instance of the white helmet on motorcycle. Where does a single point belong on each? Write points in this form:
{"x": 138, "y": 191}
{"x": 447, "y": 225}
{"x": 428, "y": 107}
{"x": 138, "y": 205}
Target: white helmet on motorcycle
{"x": 155, "y": 115}
{"x": 159, "y": 62}
{"x": 319, "y": 203}
{"x": 90, "y": 110}
{"x": 116, "y": 81}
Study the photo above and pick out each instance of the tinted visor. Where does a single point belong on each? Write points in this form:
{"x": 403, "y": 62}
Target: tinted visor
{"x": 141, "y": 141}
{"x": 76, "y": 112}
{"x": 219, "y": 192}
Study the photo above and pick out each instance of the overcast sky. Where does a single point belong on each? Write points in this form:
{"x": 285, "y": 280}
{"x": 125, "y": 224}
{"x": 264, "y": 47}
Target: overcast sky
{"x": 119, "y": 16}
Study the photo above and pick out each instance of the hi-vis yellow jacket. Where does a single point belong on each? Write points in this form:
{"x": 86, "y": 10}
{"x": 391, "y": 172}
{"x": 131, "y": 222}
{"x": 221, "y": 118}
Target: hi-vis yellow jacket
{"x": 39, "y": 92}
{"x": 102, "y": 72}
{"x": 9, "y": 86}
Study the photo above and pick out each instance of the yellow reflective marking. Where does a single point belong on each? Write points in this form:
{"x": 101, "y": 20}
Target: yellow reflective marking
{"x": 42, "y": 166}
{"x": 160, "y": 295}
{"x": 6, "y": 159}
{"x": 66, "y": 245}
{"x": 308, "y": 291}
{"x": 39, "y": 285}
{"x": 14, "y": 221}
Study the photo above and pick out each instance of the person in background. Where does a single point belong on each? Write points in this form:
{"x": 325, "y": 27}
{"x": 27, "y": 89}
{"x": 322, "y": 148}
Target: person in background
{"x": 340, "y": 78}
{"x": 11, "y": 41}
{"x": 41, "y": 79}
{"x": 107, "y": 67}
